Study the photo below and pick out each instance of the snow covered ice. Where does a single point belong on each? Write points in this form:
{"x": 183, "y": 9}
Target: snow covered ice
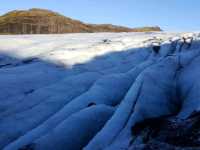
{"x": 88, "y": 91}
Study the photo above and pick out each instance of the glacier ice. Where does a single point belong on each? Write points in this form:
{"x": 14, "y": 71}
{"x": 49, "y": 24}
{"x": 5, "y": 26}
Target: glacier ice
{"x": 82, "y": 93}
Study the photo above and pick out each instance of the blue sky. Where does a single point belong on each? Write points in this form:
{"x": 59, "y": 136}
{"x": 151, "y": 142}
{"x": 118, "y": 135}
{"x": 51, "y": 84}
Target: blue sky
{"x": 170, "y": 15}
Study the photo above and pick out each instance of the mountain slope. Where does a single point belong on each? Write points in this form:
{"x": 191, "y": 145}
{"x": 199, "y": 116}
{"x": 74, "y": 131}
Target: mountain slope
{"x": 40, "y": 21}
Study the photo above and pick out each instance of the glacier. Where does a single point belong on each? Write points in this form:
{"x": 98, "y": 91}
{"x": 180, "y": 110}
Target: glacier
{"x": 92, "y": 91}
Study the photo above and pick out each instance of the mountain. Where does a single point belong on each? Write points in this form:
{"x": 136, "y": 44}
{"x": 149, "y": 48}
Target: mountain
{"x": 41, "y": 21}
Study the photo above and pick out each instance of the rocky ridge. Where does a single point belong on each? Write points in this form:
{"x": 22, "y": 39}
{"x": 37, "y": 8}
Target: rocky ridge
{"x": 41, "y": 21}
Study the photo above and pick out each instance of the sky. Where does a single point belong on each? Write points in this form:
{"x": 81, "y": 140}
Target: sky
{"x": 170, "y": 15}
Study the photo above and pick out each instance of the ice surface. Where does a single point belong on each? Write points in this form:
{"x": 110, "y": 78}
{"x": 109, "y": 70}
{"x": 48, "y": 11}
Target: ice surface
{"x": 76, "y": 91}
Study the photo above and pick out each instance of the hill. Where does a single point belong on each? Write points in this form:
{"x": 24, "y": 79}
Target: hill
{"x": 41, "y": 21}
